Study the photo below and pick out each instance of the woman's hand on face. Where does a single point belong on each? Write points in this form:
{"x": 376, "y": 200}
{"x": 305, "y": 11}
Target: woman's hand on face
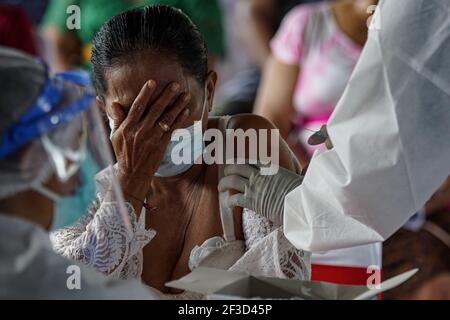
{"x": 140, "y": 140}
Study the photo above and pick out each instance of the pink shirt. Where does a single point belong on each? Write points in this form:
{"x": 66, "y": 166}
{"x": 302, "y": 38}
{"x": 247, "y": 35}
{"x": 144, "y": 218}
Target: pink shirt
{"x": 310, "y": 38}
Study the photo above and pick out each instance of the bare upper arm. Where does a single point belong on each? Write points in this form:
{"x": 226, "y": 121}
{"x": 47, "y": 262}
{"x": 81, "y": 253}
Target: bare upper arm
{"x": 247, "y": 10}
{"x": 275, "y": 94}
{"x": 256, "y": 22}
{"x": 285, "y": 158}
{"x": 256, "y": 122}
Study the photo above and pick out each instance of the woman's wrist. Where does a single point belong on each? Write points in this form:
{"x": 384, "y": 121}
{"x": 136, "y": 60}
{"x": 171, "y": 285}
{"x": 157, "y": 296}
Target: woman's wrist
{"x": 134, "y": 190}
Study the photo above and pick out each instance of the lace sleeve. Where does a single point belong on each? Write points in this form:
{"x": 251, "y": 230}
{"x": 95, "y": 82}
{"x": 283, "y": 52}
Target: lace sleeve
{"x": 269, "y": 253}
{"x": 101, "y": 240}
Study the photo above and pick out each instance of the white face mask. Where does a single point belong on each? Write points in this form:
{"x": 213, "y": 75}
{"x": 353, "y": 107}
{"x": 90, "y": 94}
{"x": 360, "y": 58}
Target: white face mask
{"x": 60, "y": 157}
{"x": 191, "y": 140}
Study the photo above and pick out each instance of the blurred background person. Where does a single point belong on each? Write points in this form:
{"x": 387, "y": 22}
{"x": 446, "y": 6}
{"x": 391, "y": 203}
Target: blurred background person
{"x": 313, "y": 56}
{"x": 72, "y": 48}
{"x": 17, "y": 29}
{"x": 437, "y": 288}
{"x": 249, "y": 26}
{"x": 35, "y": 8}
{"x": 424, "y": 243}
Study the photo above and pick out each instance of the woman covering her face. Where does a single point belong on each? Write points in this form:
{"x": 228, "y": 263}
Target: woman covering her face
{"x": 151, "y": 76}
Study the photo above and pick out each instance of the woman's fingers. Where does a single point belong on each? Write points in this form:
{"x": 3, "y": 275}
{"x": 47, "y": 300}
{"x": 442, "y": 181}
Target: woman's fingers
{"x": 117, "y": 114}
{"x": 163, "y": 101}
{"x": 181, "y": 118}
{"x": 171, "y": 114}
{"x": 140, "y": 103}
{"x": 166, "y": 136}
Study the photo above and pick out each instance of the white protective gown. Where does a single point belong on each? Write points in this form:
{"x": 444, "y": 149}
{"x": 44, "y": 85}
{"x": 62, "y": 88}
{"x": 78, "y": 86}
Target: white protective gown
{"x": 30, "y": 269}
{"x": 391, "y": 134}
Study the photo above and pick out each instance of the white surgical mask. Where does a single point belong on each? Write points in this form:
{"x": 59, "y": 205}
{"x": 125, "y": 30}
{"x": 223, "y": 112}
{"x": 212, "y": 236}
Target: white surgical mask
{"x": 66, "y": 161}
{"x": 174, "y": 161}
{"x": 60, "y": 156}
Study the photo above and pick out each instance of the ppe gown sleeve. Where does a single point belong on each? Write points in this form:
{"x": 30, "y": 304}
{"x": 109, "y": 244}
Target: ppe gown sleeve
{"x": 390, "y": 132}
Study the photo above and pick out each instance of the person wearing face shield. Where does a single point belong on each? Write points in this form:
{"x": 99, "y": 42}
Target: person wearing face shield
{"x": 48, "y": 125}
{"x": 390, "y": 137}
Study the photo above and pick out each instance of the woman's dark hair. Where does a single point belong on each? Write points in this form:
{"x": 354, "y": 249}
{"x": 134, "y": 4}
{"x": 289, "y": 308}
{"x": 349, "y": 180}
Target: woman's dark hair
{"x": 161, "y": 29}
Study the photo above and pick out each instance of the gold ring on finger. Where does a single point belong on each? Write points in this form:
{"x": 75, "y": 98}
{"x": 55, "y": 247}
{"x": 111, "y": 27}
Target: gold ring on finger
{"x": 164, "y": 126}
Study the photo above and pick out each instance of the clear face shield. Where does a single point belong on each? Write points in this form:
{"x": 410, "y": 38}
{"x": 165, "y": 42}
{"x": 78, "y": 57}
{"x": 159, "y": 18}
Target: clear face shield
{"x": 69, "y": 159}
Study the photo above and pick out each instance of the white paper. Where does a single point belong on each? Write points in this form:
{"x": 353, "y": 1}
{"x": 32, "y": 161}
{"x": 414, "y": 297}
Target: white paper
{"x": 221, "y": 284}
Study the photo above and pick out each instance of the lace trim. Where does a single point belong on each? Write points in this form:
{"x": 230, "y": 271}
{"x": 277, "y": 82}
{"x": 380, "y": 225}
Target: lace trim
{"x": 101, "y": 240}
{"x": 216, "y": 253}
{"x": 255, "y": 227}
{"x": 269, "y": 253}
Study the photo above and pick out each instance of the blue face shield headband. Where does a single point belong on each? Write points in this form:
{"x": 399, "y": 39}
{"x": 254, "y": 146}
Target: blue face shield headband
{"x": 45, "y": 114}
